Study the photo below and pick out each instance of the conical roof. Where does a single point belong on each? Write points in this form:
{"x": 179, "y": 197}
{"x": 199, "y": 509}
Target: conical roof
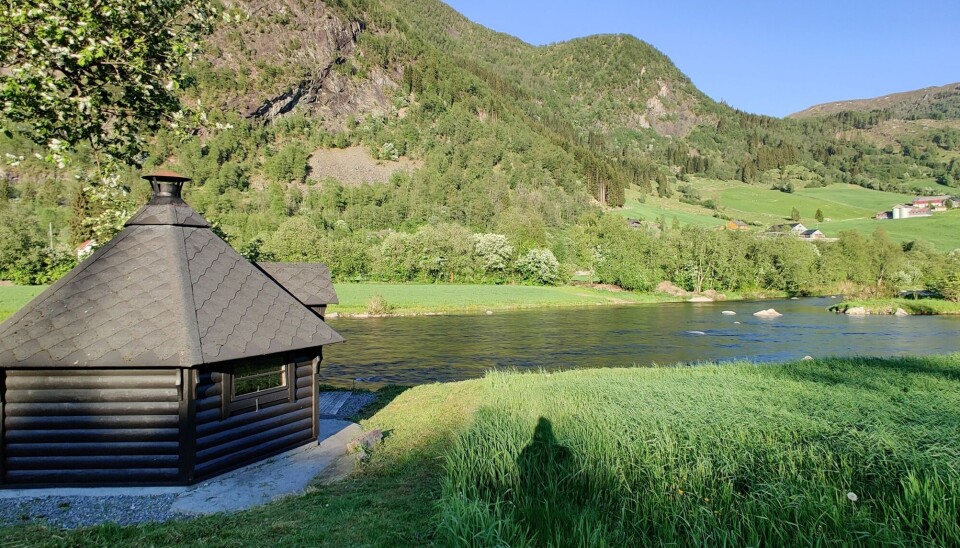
{"x": 165, "y": 292}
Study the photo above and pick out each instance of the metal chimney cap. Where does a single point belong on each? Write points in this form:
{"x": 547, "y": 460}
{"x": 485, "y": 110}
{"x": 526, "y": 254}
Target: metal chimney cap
{"x": 165, "y": 175}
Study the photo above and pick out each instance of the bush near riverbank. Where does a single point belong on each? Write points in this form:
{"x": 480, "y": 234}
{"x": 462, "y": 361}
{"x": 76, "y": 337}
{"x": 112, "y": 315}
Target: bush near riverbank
{"x": 890, "y": 306}
{"x": 834, "y": 451}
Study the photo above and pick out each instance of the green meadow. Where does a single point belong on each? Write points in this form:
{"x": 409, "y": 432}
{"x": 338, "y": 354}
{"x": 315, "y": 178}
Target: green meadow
{"x": 826, "y": 452}
{"x": 360, "y": 298}
{"x": 844, "y": 207}
{"x": 12, "y": 297}
{"x": 399, "y": 299}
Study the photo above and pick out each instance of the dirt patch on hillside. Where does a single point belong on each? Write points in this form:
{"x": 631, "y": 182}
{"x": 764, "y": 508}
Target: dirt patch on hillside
{"x": 354, "y": 166}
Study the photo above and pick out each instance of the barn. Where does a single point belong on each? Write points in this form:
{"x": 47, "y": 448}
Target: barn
{"x": 164, "y": 358}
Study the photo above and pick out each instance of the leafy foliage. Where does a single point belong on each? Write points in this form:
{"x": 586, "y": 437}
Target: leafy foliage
{"x": 539, "y": 265}
{"x": 103, "y": 71}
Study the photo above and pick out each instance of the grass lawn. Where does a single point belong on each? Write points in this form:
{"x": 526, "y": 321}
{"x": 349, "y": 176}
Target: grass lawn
{"x": 355, "y": 298}
{"x": 422, "y": 298}
{"x": 841, "y": 451}
{"x": 12, "y": 297}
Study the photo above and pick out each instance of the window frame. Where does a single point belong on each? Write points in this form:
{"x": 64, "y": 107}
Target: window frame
{"x": 233, "y": 404}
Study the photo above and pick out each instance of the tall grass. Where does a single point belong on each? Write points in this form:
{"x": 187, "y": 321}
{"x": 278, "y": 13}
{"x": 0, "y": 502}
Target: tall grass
{"x": 718, "y": 455}
{"x": 735, "y": 454}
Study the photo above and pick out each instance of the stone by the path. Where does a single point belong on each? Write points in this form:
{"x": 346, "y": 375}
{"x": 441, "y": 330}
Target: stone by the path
{"x": 365, "y": 442}
{"x": 807, "y": 358}
{"x": 729, "y": 313}
{"x": 768, "y": 313}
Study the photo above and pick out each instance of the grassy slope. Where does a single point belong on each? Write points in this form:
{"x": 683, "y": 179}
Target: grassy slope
{"x": 941, "y": 229}
{"x": 847, "y": 207}
{"x": 653, "y": 208}
{"x": 734, "y": 454}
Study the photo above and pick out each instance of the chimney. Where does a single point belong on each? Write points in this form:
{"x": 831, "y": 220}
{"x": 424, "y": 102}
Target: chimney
{"x": 166, "y": 184}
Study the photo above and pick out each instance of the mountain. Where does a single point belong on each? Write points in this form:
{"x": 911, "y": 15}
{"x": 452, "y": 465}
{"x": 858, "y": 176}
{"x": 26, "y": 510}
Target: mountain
{"x": 336, "y": 124}
{"x": 941, "y": 102}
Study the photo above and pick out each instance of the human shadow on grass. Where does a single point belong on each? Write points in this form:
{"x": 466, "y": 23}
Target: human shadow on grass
{"x": 549, "y": 491}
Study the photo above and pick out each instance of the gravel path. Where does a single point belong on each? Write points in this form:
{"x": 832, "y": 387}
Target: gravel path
{"x": 357, "y": 401}
{"x": 69, "y": 512}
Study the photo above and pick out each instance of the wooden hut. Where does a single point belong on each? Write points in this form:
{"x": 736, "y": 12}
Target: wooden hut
{"x": 162, "y": 359}
{"x": 310, "y": 283}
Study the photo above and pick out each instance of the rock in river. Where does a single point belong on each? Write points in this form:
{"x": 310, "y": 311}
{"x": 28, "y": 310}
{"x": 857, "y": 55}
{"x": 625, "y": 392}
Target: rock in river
{"x": 768, "y": 313}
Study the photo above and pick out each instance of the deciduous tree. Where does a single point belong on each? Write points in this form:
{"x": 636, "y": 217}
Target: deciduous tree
{"x": 105, "y": 72}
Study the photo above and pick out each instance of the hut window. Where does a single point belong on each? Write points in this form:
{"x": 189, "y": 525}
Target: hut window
{"x": 257, "y": 384}
{"x": 248, "y": 379}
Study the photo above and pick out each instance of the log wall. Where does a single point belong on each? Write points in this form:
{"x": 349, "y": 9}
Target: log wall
{"x": 224, "y": 443}
{"x": 90, "y": 426}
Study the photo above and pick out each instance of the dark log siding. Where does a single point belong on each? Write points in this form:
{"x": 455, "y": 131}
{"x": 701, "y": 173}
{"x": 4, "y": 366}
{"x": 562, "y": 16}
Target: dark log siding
{"x": 80, "y": 426}
{"x": 226, "y": 443}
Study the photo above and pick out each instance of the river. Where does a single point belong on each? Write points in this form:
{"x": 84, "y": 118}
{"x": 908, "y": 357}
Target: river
{"x": 424, "y": 349}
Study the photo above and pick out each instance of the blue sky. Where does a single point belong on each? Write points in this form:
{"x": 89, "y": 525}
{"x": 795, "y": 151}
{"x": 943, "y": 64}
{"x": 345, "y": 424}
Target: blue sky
{"x": 769, "y": 57}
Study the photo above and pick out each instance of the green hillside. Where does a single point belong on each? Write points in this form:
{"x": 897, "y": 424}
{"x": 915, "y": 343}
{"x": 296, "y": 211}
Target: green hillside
{"x": 475, "y": 132}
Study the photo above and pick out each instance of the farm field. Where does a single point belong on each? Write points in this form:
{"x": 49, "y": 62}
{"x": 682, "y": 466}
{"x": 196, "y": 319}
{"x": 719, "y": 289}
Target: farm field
{"x": 845, "y": 207}
{"x": 833, "y": 451}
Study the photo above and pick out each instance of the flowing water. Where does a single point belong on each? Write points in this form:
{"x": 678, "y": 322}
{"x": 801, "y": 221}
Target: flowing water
{"x": 423, "y": 349}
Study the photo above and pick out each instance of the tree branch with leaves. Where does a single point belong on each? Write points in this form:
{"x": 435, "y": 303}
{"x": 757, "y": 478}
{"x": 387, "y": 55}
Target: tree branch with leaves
{"x": 103, "y": 72}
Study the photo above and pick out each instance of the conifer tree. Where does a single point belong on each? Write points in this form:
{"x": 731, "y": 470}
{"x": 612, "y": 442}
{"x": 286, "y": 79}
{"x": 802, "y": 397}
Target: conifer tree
{"x": 795, "y": 215}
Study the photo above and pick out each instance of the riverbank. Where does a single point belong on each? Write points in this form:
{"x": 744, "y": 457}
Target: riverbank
{"x": 923, "y": 307}
{"x": 361, "y": 299}
{"x": 839, "y": 451}
{"x": 377, "y": 299}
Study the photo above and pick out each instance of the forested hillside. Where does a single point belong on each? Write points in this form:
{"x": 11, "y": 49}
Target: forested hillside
{"x": 504, "y": 157}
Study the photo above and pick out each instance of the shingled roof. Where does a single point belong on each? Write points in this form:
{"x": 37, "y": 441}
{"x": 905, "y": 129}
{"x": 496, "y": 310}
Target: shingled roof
{"x": 310, "y": 283}
{"x": 167, "y": 292}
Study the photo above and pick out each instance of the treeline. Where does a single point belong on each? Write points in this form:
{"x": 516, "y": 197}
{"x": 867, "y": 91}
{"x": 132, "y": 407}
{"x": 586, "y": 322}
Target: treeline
{"x": 699, "y": 259}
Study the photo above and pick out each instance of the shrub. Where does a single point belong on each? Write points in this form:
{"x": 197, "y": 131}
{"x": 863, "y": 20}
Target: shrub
{"x": 539, "y": 266}
{"x": 378, "y": 305}
{"x": 493, "y": 252}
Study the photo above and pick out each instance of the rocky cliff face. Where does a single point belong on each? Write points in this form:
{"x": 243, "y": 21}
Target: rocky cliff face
{"x": 275, "y": 58}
